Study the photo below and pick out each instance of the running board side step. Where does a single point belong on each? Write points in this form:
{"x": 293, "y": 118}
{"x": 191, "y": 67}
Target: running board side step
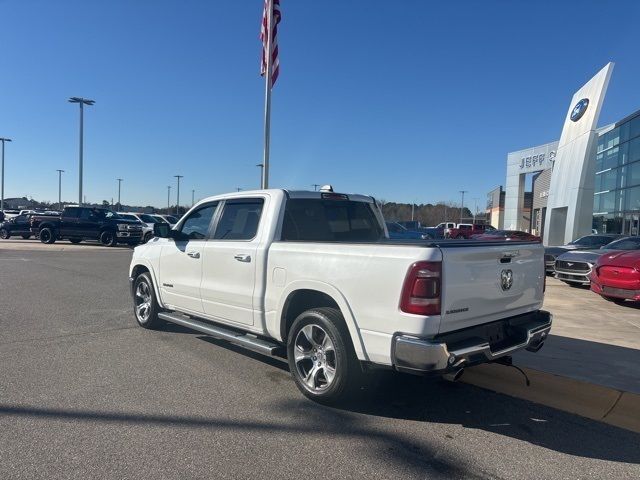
{"x": 245, "y": 340}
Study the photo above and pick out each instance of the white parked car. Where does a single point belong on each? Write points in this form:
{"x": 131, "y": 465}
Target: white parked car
{"x": 147, "y": 223}
{"x": 170, "y": 219}
{"x": 313, "y": 276}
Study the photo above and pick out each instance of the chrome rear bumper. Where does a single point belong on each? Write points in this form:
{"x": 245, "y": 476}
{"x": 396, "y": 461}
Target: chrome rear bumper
{"x": 464, "y": 348}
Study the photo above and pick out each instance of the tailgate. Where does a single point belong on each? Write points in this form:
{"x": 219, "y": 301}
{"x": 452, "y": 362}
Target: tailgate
{"x": 486, "y": 282}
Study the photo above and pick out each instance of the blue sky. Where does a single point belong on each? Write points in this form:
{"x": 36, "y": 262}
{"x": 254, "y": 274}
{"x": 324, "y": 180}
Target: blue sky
{"x": 407, "y": 100}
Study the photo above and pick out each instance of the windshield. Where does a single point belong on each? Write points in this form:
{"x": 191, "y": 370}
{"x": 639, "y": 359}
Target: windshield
{"x": 591, "y": 241}
{"x": 103, "y": 213}
{"x": 631, "y": 243}
{"x": 148, "y": 218}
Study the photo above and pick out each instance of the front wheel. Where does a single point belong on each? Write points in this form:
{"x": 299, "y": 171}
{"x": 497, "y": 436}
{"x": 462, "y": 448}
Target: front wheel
{"x": 145, "y": 305}
{"x": 108, "y": 238}
{"x": 4, "y": 233}
{"x": 47, "y": 236}
{"x": 147, "y": 237}
{"x": 321, "y": 357}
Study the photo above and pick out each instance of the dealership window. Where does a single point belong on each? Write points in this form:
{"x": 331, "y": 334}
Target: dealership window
{"x": 632, "y": 198}
{"x": 634, "y": 127}
{"x": 634, "y": 151}
{"x": 607, "y": 180}
{"x": 632, "y": 174}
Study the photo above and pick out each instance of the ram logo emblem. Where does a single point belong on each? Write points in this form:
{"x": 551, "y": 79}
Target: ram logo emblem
{"x": 506, "y": 279}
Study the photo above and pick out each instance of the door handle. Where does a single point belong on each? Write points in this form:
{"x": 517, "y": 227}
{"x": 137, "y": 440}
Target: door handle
{"x": 242, "y": 257}
{"x": 194, "y": 254}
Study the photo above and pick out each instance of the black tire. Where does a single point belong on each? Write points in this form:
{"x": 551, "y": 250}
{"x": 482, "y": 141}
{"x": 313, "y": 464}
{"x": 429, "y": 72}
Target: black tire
{"x": 47, "y": 236}
{"x": 148, "y": 236}
{"x": 26, "y": 237}
{"x": 459, "y": 237}
{"x": 143, "y": 292}
{"x": 4, "y": 233}
{"x": 341, "y": 358}
{"x": 108, "y": 238}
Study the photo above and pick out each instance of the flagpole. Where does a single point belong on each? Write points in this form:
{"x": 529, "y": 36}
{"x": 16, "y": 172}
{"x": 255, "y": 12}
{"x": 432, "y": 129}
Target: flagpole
{"x": 267, "y": 98}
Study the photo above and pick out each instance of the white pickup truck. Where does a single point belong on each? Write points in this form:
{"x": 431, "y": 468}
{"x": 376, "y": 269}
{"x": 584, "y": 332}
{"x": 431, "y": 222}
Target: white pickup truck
{"x": 314, "y": 277}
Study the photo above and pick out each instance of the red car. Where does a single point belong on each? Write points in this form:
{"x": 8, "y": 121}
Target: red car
{"x": 616, "y": 276}
{"x": 467, "y": 230}
{"x": 510, "y": 235}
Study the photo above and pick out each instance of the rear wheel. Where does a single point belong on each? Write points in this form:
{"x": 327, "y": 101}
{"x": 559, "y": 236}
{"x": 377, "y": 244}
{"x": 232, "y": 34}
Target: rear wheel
{"x": 321, "y": 358}
{"x": 4, "y": 233}
{"x": 145, "y": 305}
{"x": 108, "y": 238}
{"x": 75, "y": 240}
{"x": 47, "y": 235}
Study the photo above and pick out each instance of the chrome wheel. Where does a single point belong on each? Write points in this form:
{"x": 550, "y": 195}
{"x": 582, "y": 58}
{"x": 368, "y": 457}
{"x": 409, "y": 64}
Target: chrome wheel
{"x": 315, "y": 357}
{"x": 143, "y": 301}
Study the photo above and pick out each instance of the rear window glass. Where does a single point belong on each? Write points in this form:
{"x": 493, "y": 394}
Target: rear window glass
{"x": 316, "y": 220}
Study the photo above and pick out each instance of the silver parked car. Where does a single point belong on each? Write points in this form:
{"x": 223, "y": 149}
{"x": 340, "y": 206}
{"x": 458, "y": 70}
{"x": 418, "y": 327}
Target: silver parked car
{"x": 574, "y": 267}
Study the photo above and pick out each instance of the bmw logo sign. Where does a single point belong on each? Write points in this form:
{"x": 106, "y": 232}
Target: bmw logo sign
{"x": 579, "y": 109}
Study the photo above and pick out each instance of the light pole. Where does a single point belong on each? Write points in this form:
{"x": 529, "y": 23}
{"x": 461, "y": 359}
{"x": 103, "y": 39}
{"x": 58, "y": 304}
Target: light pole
{"x": 3, "y": 140}
{"x": 462, "y": 206}
{"x": 193, "y": 193}
{"x": 261, "y": 166}
{"x": 178, "y": 196}
{"x": 119, "y": 184}
{"x": 315, "y": 186}
{"x": 82, "y": 102}
{"x": 60, "y": 172}
{"x": 168, "y": 198}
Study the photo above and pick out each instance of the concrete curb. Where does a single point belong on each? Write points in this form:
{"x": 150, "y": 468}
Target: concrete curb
{"x": 604, "y": 404}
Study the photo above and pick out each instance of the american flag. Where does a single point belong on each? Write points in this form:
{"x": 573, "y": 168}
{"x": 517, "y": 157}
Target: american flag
{"x": 275, "y": 63}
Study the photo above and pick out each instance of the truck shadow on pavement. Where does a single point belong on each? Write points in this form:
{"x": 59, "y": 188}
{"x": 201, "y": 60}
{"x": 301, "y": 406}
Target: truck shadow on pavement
{"x": 433, "y": 400}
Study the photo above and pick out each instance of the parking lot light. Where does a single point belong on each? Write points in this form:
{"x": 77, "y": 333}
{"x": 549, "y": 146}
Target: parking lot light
{"x": 178, "y": 194}
{"x": 82, "y": 102}
{"x": 60, "y": 172}
{"x": 3, "y": 140}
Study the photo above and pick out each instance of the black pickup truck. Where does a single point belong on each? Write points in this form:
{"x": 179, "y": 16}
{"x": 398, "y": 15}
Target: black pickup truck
{"x": 87, "y": 223}
{"x": 19, "y": 225}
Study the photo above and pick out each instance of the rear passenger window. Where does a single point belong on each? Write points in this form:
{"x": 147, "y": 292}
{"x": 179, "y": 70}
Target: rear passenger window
{"x": 70, "y": 212}
{"x": 316, "y": 220}
{"x": 239, "y": 219}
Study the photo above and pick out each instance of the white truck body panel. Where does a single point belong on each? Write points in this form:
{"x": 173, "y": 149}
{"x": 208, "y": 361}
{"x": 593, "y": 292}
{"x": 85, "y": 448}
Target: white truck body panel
{"x": 364, "y": 279}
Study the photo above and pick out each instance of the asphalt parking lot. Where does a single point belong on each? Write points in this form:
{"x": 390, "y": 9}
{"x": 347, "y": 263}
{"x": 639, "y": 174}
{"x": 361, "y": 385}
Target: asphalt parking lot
{"x": 85, "y": 393}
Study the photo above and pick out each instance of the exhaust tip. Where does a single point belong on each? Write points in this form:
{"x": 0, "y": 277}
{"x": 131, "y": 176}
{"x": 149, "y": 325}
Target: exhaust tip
{"x": 453, "y": 376}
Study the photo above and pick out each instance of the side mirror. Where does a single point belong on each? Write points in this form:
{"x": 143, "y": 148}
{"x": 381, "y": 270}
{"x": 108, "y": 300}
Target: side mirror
{"x": 161, "y": 230}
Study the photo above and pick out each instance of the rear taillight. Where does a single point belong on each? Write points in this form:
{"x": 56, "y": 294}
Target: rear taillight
{"x": 422, "y": 289}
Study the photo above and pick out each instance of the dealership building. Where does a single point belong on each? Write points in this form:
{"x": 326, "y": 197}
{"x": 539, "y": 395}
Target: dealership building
{"x": 589, "y": 179}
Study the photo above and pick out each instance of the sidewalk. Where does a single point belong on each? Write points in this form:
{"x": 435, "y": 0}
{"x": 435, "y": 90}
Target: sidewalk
{"x": 589, "y": 365}
{"x": 592, "y": 340}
